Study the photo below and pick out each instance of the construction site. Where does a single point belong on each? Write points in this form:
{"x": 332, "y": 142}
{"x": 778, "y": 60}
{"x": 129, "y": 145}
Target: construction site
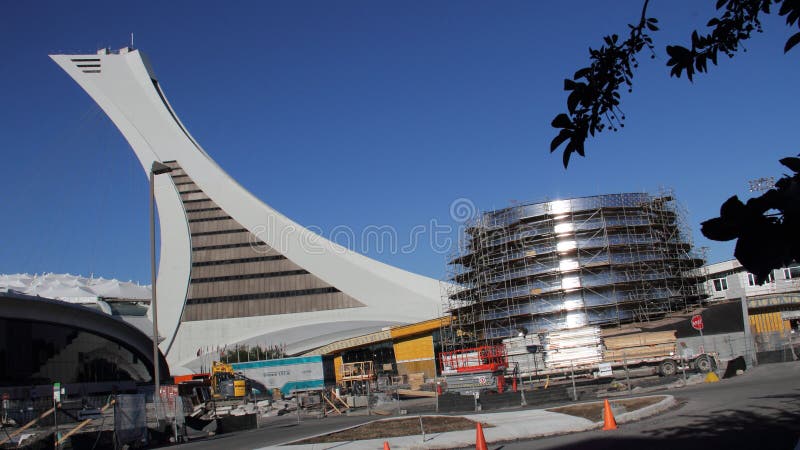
{"x": 547, "y": 278}
{"x": 546, "y": 303}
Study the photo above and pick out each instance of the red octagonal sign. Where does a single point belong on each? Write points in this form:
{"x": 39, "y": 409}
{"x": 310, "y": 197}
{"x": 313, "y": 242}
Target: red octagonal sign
{"x": 697, "y": 322}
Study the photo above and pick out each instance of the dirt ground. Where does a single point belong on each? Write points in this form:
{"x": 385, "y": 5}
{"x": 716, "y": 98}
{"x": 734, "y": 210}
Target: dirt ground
{"x": 398, "y": 427}
{"x": 594, "y": 411}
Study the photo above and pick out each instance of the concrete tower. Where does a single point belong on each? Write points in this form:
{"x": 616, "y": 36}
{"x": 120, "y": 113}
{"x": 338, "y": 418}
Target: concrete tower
{"x": 232, "y": 268}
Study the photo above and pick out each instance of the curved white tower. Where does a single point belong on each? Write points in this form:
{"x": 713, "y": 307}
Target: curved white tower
{"x": 232, "y": 268}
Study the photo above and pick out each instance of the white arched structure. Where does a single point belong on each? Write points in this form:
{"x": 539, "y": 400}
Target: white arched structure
{"x": 232, "y": 268}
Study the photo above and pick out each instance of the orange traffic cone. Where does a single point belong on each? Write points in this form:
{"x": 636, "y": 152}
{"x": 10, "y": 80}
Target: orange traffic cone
{"x": 480, "y": 440}
{"x": 608, "y": 417}
{"x": 386, "y": 446}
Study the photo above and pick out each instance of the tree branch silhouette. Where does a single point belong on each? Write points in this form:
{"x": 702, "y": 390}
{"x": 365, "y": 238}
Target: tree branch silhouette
{"x": 767, "y": 227}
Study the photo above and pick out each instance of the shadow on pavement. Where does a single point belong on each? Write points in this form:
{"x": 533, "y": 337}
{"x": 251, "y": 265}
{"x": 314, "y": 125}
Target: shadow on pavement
{"x": 769, "y": 428}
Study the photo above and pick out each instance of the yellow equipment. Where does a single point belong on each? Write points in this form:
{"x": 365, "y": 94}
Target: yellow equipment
{"x": 225, "y": 382}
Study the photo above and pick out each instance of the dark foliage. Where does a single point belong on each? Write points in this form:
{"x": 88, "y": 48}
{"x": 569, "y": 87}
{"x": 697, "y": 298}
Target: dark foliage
{"x": 593, "y": 103}
{"x": 738, "y": 21}
{"x": 767, "y": 227}
{"x": 594, "y": 90}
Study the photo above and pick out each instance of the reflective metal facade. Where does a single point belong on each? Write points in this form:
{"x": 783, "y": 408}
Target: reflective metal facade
{"x": 44, "y": 341}
{"x": 569, "y": 263}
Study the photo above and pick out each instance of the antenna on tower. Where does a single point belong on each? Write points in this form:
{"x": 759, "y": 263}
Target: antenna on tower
{"x": 131, "y": 39}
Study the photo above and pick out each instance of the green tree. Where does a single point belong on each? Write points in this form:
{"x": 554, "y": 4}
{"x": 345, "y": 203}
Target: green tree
{"x": 767, "y": 226}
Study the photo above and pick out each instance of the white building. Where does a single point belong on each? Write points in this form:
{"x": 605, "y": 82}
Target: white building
{"x": 774, "y": 307}
{"x": 728, "y": 280}
{"x": 232, "y": 269}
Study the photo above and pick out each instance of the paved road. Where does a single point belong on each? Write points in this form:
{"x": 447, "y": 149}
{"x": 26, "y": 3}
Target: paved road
{"x": 759, "y": 410}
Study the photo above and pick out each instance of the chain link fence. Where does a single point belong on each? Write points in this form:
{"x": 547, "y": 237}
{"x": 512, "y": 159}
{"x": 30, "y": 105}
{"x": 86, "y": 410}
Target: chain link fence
{"x": 759, "y": 348}
{"x": 777, "y": 346}
{"x": 114, "y": 421}
{"x": 130, "y": 419}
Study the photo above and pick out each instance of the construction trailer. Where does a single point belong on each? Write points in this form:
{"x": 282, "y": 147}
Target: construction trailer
{"x": 289, "y": 375}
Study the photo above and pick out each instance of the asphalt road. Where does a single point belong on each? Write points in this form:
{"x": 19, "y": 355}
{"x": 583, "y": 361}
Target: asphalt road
{"x": 276, "y": 430}
{"x": 759, "y": 410}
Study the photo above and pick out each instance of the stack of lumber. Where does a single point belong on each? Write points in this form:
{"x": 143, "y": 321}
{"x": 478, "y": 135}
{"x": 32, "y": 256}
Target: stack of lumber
{"x": 639, "y": 345}
{"x": 524, "y": 353}
{"x": 573, "y": 347}
{"x": 519, "y": 345}
{"x": 416, "y": 380}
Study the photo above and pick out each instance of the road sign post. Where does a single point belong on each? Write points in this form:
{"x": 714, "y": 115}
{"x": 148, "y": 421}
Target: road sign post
{"x": 56, "y": 402}
{"x": 697, "y": 324}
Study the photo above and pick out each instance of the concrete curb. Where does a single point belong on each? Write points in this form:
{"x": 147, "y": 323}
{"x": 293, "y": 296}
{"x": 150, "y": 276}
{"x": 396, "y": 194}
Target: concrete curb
{"x": 639, "y": 391}
{"x": 665, "y": 404}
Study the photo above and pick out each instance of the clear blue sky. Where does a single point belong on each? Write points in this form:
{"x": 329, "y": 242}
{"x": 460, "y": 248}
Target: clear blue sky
{"x": 342, "y": 113}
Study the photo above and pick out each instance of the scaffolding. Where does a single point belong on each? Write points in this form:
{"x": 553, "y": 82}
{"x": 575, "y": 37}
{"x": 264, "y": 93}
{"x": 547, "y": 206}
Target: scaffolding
{"x": 601, "y": 260}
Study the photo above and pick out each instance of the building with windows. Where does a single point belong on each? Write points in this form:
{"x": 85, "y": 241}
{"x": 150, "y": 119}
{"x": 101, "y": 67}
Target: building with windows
{"x": 774, "y": 307}
{"x": 232, "y": 269}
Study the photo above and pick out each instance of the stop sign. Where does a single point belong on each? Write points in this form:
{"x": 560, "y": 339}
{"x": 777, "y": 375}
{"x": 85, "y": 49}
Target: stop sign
{"x": 697, "y": 322}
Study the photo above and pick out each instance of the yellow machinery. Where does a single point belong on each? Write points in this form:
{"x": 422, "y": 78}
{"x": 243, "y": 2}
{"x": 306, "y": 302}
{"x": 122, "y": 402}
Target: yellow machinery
{"x": 225, "y": 382}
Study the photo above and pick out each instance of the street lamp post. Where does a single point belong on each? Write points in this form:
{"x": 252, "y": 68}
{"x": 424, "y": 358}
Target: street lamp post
{"x": 157, "y": 169}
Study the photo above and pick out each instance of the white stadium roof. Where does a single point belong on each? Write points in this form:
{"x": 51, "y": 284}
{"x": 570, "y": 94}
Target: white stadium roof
{"x": 73, "y": 288}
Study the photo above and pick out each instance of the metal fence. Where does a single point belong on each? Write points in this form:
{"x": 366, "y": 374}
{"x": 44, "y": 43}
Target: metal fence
{"x": 117, "y": 420}
{"x": 759, "y": 348}
{"x": 777, "y": 346}
{"x": 130, "y": 419}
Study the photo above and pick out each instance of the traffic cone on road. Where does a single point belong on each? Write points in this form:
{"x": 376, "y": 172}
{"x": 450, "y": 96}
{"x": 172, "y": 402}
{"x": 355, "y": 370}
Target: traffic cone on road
{"x": 480, "y": 440}
{"x": 608, "y": 417}
{"x": 386, "y": 446}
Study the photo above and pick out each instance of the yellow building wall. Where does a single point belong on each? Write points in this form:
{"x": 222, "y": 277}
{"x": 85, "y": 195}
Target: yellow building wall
{"x": 426, "y": 327}
{"x": 414, "y": 355}
{"x": 768, "y": 322}
{"x": 426, "y": 367}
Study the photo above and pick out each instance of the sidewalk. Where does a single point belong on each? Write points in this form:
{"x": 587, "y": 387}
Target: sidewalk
{"x": 506, "y": 426}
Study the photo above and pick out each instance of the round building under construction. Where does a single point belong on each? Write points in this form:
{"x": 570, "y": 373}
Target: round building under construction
{"x": 565, "y": 264}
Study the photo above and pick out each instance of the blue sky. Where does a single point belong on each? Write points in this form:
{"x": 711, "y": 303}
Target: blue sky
{"x": 345, "y": 113}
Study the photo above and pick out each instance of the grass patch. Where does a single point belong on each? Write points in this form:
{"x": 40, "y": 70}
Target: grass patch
{"x": 594, "y": 411}
{"x": 393, "y": 428}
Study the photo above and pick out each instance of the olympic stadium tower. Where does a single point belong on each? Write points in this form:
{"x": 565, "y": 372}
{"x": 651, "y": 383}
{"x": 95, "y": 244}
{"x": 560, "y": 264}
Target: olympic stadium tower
{"x": 232, "y": 268}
